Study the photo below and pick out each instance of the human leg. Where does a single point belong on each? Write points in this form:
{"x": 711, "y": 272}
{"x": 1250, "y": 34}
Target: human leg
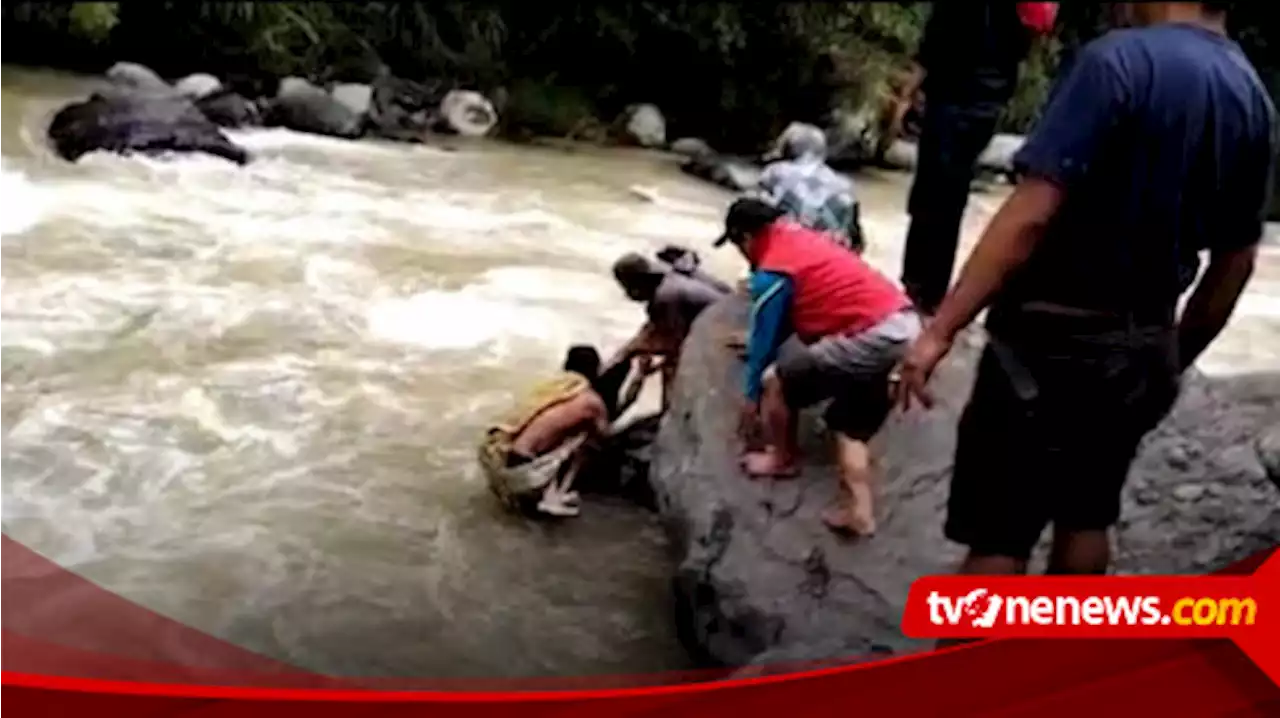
{"x": 951, "y": 140}
{"x": 1125, "y": 394}
{"x": 780, "y": 456}
{"x": 856, "y": 415}
{"x": 855, "y": 511}
{"x": 996, "y": 506}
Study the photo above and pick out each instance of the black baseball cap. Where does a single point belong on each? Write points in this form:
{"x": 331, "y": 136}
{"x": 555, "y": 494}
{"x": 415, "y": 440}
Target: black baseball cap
{"x": 745, "y": 217}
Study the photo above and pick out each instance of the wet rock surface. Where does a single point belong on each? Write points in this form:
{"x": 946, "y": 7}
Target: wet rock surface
{"x": 137, "y": 77}
{"x": 128, "y": 120}
{"x": 736, "y": 174}
{"x": 227, "y": 108}
{"x": 304, "y": 107}
{"x": 621, "y": 467}
{"x": 761, "y": 579}
{"x": 198, "y": 85}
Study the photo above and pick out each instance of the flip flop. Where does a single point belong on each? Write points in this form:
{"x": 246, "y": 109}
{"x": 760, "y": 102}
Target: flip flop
{"x": 786, "y": 472}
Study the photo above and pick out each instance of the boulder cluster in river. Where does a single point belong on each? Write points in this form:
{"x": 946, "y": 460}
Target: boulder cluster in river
{"x": 138, "y": 111}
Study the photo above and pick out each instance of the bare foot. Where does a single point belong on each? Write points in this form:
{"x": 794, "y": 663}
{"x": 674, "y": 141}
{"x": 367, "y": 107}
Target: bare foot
{"x": 555, "y": 506}
{"x": 843, "y": 518}
{"x": 767, "y": 464}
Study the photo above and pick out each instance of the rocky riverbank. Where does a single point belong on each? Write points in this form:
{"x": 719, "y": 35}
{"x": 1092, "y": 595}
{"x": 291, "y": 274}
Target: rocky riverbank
{"x": 761, "y": 580}
{"x": 136, "y": 110}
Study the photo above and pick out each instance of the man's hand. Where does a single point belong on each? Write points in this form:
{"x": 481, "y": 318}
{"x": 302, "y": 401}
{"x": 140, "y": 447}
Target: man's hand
{"x": 748, "y": 420}
{"x": 912, "y": 376}
{"x": 647, "y": 364}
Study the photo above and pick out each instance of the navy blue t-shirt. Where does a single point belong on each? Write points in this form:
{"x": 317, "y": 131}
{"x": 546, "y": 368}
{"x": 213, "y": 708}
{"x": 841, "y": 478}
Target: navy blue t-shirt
{"x": 1162, "y": 140}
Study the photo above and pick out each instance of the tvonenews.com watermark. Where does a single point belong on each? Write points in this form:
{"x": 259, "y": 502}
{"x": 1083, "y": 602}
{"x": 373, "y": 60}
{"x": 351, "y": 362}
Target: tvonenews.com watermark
{"x": 1093, "y": 606}
{"x": 981, "y": 608}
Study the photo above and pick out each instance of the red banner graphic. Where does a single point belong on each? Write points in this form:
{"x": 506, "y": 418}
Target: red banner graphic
{"x": 1245, "y": 609}
{"x": 71, "y": 648}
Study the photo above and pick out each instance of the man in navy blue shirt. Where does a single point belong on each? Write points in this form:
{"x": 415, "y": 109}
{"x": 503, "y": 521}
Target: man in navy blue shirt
{"x": 1156, "y": 145}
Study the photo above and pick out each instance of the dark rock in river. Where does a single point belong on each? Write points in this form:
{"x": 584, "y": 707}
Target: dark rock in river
{"x": 732, "y": 173}
{"x": 621, "y": 467}
{"x": 760, "y": 578}
{"x": 127, "y": 121}
{"x": 401, "y": 109}
{"x": 226, "y": 108}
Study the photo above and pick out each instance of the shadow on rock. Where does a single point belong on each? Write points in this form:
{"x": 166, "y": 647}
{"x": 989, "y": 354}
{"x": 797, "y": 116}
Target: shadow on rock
{"x": 760, "y": 578}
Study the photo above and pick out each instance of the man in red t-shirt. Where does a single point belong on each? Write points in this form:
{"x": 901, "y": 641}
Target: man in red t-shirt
{"x": 853, "y": 325}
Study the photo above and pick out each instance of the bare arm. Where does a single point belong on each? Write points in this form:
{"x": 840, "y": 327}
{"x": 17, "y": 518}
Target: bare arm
{"x": 646, "y": 341}
{"x": 1004, "y": 247}
{"x": 596, "y": 418}
{"x": 1213, "y": 301}
{"x": 636, "y": 384}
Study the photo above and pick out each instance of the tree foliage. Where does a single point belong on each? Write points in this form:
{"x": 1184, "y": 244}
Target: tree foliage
{"x": 732, "y": 73}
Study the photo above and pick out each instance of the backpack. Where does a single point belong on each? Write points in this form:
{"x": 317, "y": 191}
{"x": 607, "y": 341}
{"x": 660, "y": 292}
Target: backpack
{"x": 1038, "y": 17}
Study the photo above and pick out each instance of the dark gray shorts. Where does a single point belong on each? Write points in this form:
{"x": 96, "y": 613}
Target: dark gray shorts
{"x": 852, "y": 371}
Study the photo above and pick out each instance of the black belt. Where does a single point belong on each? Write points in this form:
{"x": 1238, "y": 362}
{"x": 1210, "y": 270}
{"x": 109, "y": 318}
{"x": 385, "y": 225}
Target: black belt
{"x": 1046, "y": 318}
{"x": 1044, "y": 315}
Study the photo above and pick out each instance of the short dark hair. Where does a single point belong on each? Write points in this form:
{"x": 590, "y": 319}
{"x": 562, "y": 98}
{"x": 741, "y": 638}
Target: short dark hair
{"x": 636, "y": 273}
{"x": 747, "y": 216}
{"x": 583, "y": 359}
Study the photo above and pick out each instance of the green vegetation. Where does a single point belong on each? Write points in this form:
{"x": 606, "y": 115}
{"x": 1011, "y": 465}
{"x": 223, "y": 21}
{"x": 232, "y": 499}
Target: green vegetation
{"x": 729, "y": 72}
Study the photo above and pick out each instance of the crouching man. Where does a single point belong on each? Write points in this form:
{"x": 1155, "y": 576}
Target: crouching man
{"x": 854, "y": 325}
{"x": 531, "y": 456}
{"x": 673, "y": 300}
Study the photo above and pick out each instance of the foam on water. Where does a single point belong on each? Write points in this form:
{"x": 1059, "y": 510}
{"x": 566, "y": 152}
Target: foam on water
{"x": 23, "y": 204}
{"x": 547, "y": 306}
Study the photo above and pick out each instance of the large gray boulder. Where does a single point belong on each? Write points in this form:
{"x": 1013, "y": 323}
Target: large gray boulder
{"x": 304, "y": 107}
{"x": 644, "y": 125}
{"x": 128, "y": 121}
{"x": 197, "y": 86}
{"x": 467, "y": 113}
{"x": 131, "y": 75}
{"x": 692, "y": 147}
{"x": 761, "y": 579}
{"x": 355, "y": 96}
